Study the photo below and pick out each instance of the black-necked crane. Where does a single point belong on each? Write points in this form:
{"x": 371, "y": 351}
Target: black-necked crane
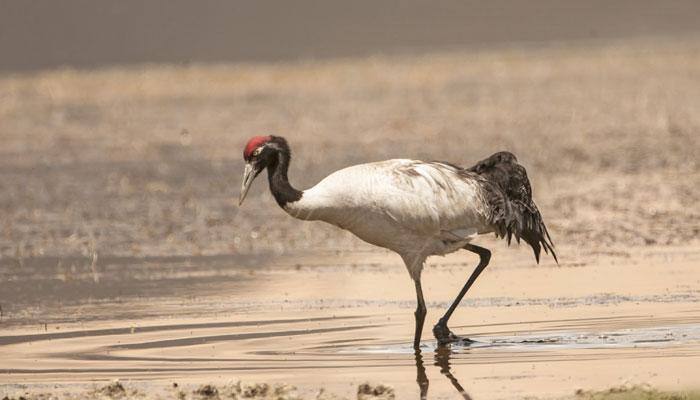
{"x": 415, "y": 208}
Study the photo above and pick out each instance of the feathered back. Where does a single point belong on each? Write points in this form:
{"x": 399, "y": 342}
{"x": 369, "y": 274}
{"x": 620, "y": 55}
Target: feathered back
{"x": 510, "y": 196}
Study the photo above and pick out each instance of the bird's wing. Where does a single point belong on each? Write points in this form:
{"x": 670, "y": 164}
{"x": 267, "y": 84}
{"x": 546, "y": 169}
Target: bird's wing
{"x": 433, "y": 198}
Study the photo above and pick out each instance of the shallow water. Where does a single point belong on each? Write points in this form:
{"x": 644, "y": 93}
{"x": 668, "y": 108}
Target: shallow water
{"x": 334, "y": 322}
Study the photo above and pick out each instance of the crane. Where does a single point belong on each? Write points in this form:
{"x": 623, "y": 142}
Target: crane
{"x": 414, "y": 208}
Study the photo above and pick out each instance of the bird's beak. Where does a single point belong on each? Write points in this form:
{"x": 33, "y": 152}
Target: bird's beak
{"x": 249, "y": 175}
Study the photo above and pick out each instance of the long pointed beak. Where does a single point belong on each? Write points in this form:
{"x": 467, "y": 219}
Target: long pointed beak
{"x": 248, "y": 177}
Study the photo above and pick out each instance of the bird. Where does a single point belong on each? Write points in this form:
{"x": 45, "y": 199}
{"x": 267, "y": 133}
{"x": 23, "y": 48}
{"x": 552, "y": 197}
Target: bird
{"x": 414, "y": 208}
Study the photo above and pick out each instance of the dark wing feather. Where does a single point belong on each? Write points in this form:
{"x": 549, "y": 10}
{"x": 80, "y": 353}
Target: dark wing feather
{"x": 514, "y": 213}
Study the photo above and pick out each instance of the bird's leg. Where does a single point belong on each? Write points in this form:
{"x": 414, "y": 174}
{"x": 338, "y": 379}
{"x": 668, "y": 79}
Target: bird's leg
{"x": 420, "y": 314}
{"x": 440, "y": 330}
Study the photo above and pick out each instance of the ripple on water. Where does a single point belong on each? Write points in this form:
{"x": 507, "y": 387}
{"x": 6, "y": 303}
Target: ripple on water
{"x": 660, "y": 336}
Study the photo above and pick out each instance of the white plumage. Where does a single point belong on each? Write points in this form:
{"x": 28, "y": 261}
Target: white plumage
{"x": 414, "y": 208}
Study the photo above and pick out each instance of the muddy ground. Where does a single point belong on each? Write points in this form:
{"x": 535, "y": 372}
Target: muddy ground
{"x": 124, "y": 255}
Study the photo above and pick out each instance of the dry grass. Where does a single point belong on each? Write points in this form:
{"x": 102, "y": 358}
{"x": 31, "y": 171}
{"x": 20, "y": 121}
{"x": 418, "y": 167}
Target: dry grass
{"x": 636, "y": 392}
{"x": 146, "y": 161}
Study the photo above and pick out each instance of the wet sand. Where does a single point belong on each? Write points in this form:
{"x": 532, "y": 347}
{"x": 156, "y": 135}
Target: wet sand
{"x": 337, "y": 321}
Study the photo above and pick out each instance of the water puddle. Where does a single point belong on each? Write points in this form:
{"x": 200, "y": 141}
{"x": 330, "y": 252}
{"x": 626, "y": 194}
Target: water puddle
{"x": 661, "y": 336}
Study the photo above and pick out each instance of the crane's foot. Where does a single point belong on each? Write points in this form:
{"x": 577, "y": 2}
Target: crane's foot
{"x": 444, "y": 336}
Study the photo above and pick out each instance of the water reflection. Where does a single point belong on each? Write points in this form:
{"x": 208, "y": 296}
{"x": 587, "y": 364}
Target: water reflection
{"x": 442, "y": 359}
{"x": 421, "y": 377}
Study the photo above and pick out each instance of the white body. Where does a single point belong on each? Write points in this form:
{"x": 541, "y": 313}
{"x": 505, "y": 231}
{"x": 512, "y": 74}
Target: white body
{"x": 414, "y": 208}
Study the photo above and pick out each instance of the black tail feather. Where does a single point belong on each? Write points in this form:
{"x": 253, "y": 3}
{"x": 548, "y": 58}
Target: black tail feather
{"x": 514, "y": 213}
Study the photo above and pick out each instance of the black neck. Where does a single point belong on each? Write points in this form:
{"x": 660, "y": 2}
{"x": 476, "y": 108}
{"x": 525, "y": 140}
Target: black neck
{"x": 280, "y": 187}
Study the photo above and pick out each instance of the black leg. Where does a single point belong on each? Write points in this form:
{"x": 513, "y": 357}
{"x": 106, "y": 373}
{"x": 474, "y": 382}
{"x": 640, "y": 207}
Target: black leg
{"x": 441, "y": 331}
{"x": 420, "y": 314}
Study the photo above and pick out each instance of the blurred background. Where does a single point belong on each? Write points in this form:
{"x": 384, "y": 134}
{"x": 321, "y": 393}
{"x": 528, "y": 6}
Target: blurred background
{"x": 123, "y": 122}
{"x": 83, "y": 33}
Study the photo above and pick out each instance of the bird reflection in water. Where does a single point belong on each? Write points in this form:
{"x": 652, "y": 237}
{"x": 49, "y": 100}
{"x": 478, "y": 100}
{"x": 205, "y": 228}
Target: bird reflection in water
{"x": 421, "y": 377}
{"x": 442, "y": 359}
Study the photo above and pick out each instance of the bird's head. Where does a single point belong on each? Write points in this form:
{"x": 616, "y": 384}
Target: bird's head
{"x": 259, "y": 153}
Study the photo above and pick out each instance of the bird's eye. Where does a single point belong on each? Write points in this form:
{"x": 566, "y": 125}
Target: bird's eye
{"x": 257, "y": 151}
